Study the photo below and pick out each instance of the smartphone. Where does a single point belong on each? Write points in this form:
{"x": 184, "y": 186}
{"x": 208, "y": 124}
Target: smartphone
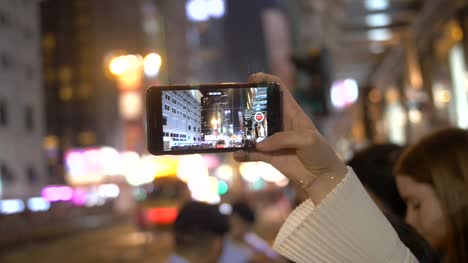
{"x": 185, "y": 119}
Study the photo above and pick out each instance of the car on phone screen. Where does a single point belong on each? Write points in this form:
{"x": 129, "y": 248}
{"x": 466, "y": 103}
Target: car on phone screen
{"x": 220, "y": 144}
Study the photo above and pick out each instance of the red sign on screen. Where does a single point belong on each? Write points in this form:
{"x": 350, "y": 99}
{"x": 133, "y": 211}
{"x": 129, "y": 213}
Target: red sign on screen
{"x": 259, "y": 116}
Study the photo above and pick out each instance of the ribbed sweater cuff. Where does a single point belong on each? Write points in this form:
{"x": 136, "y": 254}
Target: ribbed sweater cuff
{"x": 346, "y": 226}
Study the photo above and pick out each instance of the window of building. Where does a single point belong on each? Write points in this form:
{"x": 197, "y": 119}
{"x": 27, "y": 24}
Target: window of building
{"x": 6, "y": 174}
{"x": 174, "y": 101}
{"x": 4, "y": 19}
{"x": 31, "y": 175}
{"x": 51, "y": 172}
{"x": 174, "y": 111}
{"x": 164, "y": 120}
{"x": 189, "y": 128}
{"x": 29, "y": 118}
{"x": 166, "y": 107}
{"x": 3, "y": 114}
{"x": 5, "y": 61}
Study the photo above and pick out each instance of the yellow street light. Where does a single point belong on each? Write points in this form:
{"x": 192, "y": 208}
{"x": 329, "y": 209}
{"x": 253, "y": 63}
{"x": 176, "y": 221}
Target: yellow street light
{"x": 119, "y": 65}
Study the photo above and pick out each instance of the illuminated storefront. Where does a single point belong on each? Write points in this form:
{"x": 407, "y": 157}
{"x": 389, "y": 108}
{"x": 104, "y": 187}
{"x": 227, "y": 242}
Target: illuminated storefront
{"x": 429, "y": 70}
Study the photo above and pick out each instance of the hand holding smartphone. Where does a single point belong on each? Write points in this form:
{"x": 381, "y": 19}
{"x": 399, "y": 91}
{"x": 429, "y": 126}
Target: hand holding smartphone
{"x": 185, "y": 119}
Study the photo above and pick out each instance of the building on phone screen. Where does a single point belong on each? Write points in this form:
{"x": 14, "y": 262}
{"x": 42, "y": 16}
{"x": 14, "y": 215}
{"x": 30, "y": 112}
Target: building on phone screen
{"x": 181, "y": 117}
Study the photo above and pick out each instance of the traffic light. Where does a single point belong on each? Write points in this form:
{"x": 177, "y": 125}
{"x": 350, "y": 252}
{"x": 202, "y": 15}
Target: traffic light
{"x": 315, "y": 93}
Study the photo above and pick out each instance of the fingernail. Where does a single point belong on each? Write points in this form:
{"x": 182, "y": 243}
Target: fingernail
{"x": 239, "y": 155}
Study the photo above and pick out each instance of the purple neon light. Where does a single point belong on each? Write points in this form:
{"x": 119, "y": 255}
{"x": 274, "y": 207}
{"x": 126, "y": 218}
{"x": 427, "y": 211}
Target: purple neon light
{"x": 57, "y": 193}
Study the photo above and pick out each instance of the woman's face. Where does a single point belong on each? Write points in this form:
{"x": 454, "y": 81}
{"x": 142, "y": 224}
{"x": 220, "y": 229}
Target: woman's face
{"x": 423, "y": 211}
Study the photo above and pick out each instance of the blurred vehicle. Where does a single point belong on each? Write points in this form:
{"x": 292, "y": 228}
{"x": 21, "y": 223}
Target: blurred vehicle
{"x": 163, "y": 200}
{"x": 220, "y": 144}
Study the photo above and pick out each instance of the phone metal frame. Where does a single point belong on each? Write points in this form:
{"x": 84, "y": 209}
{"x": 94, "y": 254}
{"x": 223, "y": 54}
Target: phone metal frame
{"x": 154, "y": 115}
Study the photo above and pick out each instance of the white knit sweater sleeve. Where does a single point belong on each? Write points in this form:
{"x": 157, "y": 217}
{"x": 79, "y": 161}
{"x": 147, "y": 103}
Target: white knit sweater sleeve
{"x": 346, "y": 226}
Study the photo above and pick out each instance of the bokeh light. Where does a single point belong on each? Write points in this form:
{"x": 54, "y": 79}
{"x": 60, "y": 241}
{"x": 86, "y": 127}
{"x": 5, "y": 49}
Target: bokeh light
{"x": 344, "y": 93}
{"x": 38, "y": 204}
{"x": 224, "y": 172}
{"x": 131, "y": 105}
{"x": 119, "y": 65}
{"x": 192, "y": 167}
{"x": 11, "y": 206}
{"x": 222, "y": 188}
{"x": 151, "y": 64}
{"x": 252, "y": 171}
{"x": 109, "y": 190}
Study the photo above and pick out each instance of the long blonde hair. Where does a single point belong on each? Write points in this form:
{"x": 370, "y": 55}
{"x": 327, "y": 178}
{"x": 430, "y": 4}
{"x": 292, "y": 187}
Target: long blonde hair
{"x": 441, "y": 161}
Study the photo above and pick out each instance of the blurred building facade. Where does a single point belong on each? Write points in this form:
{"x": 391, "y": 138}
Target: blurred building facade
{"x": 22, "y": 169}
{"x": 79, "y": 37}
{"x": 409, "y": 59}
{"x": 69, "y": 87}
{"x": 421, "y": 82}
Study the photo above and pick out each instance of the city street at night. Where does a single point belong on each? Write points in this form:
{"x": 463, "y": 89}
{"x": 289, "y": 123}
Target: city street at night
{"x": 233, "y": 131}
{"x": 116, "y": 243}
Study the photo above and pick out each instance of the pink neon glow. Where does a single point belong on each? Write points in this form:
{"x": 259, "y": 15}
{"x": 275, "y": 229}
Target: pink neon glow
{"x": 57, "y": 193}
{"x": 79, "y": 197}
{"x": 344, "y": 93}
{"x": 211, "y": 161}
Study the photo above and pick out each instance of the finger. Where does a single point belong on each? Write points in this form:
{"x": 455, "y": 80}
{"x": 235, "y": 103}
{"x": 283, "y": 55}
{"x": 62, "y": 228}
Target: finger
{"x": 291, "y": 108}
{"x": 263, "y": 77}
{"x": 243, "y": 156}
{"x": 288, "y": 140}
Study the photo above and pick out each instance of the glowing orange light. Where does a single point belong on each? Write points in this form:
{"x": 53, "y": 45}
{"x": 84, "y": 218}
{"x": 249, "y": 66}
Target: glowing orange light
{"x": 119, "y": 65}
{"x": 162, "y": 215}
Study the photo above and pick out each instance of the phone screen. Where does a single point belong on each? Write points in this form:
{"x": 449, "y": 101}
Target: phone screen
{"x": 215, "y": 118}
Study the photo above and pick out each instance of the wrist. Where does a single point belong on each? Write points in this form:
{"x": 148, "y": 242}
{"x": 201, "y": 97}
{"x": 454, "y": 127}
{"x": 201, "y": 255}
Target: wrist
{"x": 320, "y": 185}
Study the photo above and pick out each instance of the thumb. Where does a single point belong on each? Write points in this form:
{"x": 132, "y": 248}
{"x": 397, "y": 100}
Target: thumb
{"x": 288, "y": 140}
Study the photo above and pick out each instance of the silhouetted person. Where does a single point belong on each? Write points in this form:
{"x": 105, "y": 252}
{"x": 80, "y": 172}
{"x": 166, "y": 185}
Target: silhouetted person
{"x": 374, "y": 168}
{"x": 199, "y": 232}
